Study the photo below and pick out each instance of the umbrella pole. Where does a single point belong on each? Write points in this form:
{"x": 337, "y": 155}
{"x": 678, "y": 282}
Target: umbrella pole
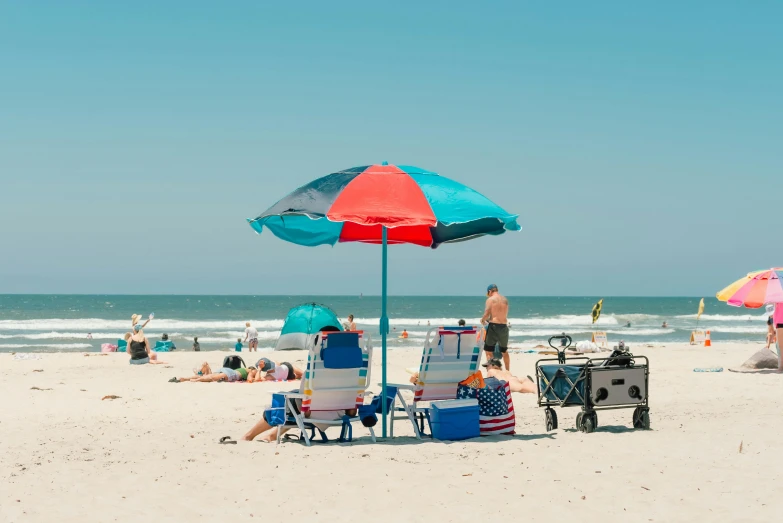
{"x": 384, "y": 330}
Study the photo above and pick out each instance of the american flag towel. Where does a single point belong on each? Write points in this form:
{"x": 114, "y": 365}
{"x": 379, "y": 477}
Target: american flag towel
{"x": 496, "y": 408}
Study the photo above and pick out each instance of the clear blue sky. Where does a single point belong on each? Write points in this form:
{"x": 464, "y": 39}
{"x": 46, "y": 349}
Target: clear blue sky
{"x": 640, "y": 142}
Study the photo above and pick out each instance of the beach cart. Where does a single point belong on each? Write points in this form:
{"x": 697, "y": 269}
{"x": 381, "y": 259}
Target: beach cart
{"x": 619, "y": 381}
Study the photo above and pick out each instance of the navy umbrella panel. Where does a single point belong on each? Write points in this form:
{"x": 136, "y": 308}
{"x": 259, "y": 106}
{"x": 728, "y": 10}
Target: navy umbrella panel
{"x": 384, "y": 204}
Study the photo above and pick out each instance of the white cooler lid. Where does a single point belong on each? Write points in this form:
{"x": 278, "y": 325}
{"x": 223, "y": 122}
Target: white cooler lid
{"x": 454, "y": 404}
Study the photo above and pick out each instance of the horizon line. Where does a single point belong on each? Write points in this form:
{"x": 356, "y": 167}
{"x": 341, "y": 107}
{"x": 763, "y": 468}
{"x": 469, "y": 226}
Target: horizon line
{"x": 604, "y": 296}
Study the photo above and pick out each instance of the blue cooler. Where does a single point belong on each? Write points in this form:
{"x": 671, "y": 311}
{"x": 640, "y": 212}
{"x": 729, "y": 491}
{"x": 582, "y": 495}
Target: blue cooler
{"x": 455, "y": 419}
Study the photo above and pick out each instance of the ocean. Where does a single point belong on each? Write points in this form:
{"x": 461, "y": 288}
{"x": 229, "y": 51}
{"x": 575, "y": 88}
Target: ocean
{"x": 81, "y": 323}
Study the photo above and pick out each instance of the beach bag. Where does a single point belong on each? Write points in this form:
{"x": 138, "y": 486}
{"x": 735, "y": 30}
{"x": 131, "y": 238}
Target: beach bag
{"x": 496, "y": 409}
{"x": 108, "y": 347}
{"x": 233, "y": 362}
{"x": 275, "y": 415}
{"x": 367, "y": 414}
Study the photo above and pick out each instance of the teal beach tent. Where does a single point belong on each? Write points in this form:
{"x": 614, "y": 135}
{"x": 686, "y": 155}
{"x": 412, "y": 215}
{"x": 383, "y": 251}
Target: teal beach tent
{"x": 304, "y": 320}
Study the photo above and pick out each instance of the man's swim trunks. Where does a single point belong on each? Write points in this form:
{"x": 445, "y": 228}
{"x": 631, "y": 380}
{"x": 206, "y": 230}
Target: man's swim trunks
{"x": 497, "y": 334}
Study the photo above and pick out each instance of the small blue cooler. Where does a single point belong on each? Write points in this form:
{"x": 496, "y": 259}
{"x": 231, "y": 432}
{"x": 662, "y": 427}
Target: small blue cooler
{"x": 455, "y": 419}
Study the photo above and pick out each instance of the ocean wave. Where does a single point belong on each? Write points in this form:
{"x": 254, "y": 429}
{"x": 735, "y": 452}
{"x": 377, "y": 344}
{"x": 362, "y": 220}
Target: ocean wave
{"x": 575, "y": 333}
{"x": 725, "y": 317}
{"x": 564, "y": 319}
{"x": 738, "y": 330}
{"x": 156, "y": 325}
{"x": 5, "y": 346}
{"x": 638, "y": 317}
{"x": 62, "y": 335}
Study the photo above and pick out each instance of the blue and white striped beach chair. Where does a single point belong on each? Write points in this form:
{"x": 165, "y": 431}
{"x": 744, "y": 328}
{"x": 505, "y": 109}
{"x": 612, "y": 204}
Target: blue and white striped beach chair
{"x": 447, "y": 359}
{"x": 335, "y": 381}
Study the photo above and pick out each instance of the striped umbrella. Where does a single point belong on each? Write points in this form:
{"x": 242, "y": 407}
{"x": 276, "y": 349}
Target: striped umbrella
{"x": 755, "y": 290}
{"x": 728, "y": 291}
{"x": 384, "y": 204}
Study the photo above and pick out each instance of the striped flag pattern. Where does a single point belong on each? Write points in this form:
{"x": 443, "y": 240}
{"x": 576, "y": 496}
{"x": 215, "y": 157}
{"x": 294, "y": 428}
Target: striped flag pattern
{"x": 496, "y": 408}
{"x": 496, "y": 411}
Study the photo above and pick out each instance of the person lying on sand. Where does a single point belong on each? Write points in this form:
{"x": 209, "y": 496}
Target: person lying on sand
{"x": 205, "y": 375}
{"x": 495, "y": 370}
{"x": 269, "y": 370}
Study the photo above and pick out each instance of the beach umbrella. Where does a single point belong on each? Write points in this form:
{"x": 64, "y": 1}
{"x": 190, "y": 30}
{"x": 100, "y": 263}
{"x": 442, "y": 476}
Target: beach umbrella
{"x": 596, "y": 313}
{"x": 729, "y": 291}
{"x": 384, "y": 204}
{"x": 758, "y": 289}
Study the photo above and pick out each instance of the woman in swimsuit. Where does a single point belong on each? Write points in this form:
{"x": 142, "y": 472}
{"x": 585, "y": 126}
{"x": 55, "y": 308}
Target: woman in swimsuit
{"x": 139, "y": 348}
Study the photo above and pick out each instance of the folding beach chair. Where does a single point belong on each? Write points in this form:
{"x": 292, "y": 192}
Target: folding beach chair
{"x": 336, "y": 380}
{"x": 446, "y": 360}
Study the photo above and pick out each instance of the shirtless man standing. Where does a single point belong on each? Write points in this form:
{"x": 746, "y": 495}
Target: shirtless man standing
{"x": 496, "y": 321}
{"x": 494, "y": 370}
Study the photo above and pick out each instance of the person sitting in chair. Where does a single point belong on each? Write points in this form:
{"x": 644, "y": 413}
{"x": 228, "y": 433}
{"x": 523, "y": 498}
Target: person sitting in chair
{"x": 268, "y": 432}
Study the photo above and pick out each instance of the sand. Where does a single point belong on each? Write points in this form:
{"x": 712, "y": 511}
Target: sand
{"x": 713, "y": 454}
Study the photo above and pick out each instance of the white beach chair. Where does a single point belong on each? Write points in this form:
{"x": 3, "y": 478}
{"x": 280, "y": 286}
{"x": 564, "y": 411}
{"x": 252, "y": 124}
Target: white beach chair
{"x": 447, "y": 359}
{"x": 336, "y": 380}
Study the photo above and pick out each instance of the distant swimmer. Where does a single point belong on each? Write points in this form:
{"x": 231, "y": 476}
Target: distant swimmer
{"x": 665, "y": 325}
{"x": 404, "y": 334}
{"x": 89, "y": 335}
{"x": 628, "y": 325}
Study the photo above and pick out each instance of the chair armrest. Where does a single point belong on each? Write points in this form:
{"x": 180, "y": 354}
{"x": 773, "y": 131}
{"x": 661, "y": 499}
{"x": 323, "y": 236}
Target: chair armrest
{"x": 403, "y": 386}
{"x": 290, "y": 394}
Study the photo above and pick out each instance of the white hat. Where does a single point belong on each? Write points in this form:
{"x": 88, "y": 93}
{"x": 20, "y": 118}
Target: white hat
{"x": 135, "y": 318}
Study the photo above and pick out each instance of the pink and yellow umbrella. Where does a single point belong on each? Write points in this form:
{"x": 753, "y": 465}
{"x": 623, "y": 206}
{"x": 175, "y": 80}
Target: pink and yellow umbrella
{"x": 755, "y": 290}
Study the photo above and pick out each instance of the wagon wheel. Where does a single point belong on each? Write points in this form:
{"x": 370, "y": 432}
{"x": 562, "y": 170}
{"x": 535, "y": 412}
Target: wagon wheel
{"x": 579, "y": 420}
{"x": 587, "y": 424}
{"x": 551, "y": 419}
{"x": 641, "y": 418}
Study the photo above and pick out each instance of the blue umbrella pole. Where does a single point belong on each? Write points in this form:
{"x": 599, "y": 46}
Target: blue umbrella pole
{"x": 384, "y": 331}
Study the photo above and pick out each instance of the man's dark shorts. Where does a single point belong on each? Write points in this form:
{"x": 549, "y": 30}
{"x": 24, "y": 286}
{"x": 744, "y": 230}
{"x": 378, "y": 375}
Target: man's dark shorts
{"x": 497, "y": 334}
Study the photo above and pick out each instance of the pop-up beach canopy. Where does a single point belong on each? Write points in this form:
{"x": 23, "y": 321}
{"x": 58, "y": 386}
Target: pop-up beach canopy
{"x": 303, "y": 321}
{"x": 384, "y": 204}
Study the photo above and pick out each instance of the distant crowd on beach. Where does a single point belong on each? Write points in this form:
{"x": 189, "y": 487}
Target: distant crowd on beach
{"x": 494, "y": 322}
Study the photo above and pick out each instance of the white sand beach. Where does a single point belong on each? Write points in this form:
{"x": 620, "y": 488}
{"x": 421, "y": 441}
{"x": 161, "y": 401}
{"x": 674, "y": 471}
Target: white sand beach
{"x": 714, "y": 453}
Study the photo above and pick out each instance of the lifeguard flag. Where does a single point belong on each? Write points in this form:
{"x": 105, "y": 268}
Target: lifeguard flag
{"x": 701, "y": 309}
{"x": 597, "y": 310}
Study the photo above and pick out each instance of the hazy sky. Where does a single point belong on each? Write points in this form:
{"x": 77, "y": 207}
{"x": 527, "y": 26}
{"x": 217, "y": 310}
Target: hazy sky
{"x": 639, "y": 142}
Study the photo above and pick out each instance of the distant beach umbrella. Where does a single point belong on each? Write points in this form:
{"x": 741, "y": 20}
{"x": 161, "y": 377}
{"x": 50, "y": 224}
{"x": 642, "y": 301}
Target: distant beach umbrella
{"x": 756, "y": 289}
{"x": 597, "y": 310}
{"x": 384, "y": 204}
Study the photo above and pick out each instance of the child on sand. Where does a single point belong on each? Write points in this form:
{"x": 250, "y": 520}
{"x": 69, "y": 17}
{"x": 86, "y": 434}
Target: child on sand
{"x": 238, "y": 346}
{"x": 196, "y": 344}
